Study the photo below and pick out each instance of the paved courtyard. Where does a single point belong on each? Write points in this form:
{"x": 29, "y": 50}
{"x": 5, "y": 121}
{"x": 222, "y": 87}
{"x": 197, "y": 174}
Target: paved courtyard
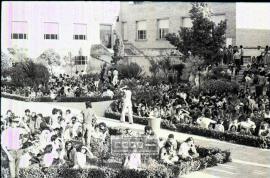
{"x": 247, "y": 162}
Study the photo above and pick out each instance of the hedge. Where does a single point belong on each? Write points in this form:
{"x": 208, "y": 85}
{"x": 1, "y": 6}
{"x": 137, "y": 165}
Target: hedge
{"x": 59, "y": 99}
{"x": 209, "y": 157}
{"x": 248, "y": 140}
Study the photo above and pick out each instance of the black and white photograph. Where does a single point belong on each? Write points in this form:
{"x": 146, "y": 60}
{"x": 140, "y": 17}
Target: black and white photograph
{"x": 135, "y": 89}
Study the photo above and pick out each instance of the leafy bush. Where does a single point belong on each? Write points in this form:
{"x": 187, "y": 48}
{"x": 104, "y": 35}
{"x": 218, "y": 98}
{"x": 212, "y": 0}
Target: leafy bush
{"x": 219, "y": 86}
{"x": 218, "y": 73}
{"x": 28, "y": 73}
{"x": 191, "y": 129}
{"x": 130, "y": 70}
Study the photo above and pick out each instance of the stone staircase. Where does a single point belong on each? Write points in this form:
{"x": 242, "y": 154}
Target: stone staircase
{"x": 131, "y": 50}
{"x": 238, "y": 78}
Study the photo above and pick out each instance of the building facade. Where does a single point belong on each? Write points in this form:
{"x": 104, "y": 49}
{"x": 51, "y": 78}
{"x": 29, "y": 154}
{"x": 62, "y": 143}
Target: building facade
{"x": 145, "y": 24}
{"x": 70, "y": 28}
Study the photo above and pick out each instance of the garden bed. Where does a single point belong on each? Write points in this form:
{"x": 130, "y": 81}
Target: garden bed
{"x": 209, "y": 157}
{"x": 248, "y": 140}
{"x": 59, "y": 99}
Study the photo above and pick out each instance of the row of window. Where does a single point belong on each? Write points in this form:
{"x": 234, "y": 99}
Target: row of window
{"x": 162, "y": 27}
{"x": 51, "y": 31}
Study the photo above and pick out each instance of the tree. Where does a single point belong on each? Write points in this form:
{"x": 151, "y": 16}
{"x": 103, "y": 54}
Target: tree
{"x": 154, "y": 67}
{"x": 17, "y": 55}
{"x": 204, "y": 38}
{"x": 50, "y": 58}
{"x": 68, "y": 61}
{"x": 5, "y": 62}
{"x": 179, "y": 68}
{"x": 118, "y": 49}
{"x": 165, "y": 64}
{"x": 28, "y": 73}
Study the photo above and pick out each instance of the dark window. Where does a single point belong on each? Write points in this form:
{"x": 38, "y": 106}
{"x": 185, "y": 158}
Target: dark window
{"x": 50, "y": 36}
{"x": 80, "y": 60}
{"x": 141, "y": 34}
{"x": 163, "y": 32}
{"x": 79, "y": 37}
{"x": 18, "y": 36}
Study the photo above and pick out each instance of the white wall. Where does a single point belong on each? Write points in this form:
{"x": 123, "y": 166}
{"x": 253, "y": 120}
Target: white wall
{"x": 65, "y": 13}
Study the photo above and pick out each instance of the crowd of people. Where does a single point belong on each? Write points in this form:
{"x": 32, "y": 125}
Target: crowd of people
{"x": 243, "y": 112}
{"x": 79, "y": 85}
{"x": 64, "y": 139}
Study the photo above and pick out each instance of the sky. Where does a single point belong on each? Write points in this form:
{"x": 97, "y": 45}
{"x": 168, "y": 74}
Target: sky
{"x": 253, "y": 15}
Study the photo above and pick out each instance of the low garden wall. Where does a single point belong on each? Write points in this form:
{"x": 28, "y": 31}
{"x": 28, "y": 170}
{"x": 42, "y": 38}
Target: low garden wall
{"x": 20, "y": 103}
{"x": 20, "y": 106}
{"x": 248, "y": 140}
{"x": 58, "y": 99}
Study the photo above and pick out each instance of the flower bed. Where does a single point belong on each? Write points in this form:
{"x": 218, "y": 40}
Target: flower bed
{"x": 185, "y": 128}
{"x": 59, "y": 99}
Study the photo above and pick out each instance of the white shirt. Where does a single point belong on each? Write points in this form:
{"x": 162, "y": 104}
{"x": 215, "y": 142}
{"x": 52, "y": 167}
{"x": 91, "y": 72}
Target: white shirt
{"x": 127, "y": 97}
{"x": 134, "y": 161}
{"x": 184, "y": 149}
{"x": 204, "y": 122}
{"x": 48, "y": 159}
{"x": 81, "y": 159}
{"x": 267, "y": 116}
{"x": 25, "y": 160}
{"x": 248, "y": 124}
{"x": 11, "y": 138}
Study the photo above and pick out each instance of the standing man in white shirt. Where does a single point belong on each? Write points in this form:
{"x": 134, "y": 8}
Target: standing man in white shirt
{"x": 127, "y": 105}
{"x": 88, "y": 116}
{"x": 11, "y": 143}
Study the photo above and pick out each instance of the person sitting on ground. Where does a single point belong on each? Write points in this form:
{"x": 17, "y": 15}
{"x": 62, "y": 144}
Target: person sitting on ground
{"x": 80, "y": 158}
{"x": 148, "y": 131}
{"x": 204, "y": 122}
{"x": 187, "y": 150}
{"x": 247, "y": 127}
{"x": 219, "y": 126}
{"x": 172, "y": 140}
{"x": 168, "y": 154}
{"x": 133, "y": 160}
{"x": 48, "y": 157}
{"x": 25, "y": 160}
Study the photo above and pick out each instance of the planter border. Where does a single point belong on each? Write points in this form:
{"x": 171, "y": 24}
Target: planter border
{"x": 59, "y": 99}
{"x": 248, "y": 140}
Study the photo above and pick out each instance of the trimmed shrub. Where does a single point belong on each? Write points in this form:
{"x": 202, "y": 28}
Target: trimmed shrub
{"x": 130, "y": 70}
{"x": 219, "y": 86}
